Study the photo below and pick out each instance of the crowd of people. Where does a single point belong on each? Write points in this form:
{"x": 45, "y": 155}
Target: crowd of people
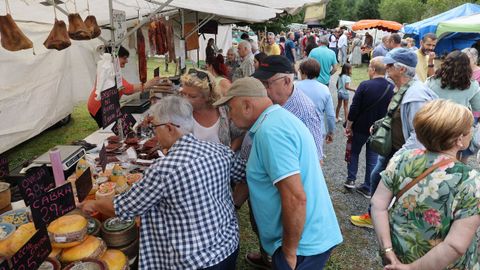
{"x": 252, "y": 127}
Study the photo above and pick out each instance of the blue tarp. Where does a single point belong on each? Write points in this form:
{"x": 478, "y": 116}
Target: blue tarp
{"x": 453, "y": 41}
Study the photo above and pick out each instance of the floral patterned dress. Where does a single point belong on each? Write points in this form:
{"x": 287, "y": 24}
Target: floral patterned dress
{"x": 422, "y": 217}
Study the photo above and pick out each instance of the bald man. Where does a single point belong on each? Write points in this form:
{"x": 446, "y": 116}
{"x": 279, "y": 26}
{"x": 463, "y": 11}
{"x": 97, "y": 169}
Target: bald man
{"x": 369, "y": 104}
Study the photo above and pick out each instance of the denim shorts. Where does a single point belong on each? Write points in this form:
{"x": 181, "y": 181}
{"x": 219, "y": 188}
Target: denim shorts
{"x": 343, "y": 95}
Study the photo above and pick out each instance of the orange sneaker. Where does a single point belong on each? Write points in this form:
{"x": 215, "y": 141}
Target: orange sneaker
{"x": 364, "y": 221}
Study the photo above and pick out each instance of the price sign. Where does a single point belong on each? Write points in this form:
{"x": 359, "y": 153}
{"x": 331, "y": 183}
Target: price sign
{"x": 36, "y": 184}
{"x": 34, "y": 252}
{"x": 4, "y": 170}
{"x": 127, "y": 121}
{"x": 119, "y": 24}
{"x": 110, "y": 106}
{"x": 84, "y": 185}
{"x": 4, "y": 265}
{"x": 55, "y": 203}
{"x": 103, "y": 157}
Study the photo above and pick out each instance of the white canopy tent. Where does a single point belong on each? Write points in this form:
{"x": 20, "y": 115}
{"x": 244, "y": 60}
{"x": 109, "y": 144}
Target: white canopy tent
{"x": 38, "y": 90}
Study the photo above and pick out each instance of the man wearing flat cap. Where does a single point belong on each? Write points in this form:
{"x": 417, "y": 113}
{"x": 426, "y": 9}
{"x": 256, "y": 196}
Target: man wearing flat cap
{"x": 290, "y": 201}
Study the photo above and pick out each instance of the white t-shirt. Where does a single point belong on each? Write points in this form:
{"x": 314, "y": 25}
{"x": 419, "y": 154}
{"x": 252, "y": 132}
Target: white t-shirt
{"x": 342, "y": 41}
{"x": 209, "y": 134}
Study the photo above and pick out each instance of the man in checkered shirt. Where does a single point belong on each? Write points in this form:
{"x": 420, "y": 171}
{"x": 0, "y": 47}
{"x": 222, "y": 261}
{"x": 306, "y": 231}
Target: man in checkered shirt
{"x": 188, "y": 219}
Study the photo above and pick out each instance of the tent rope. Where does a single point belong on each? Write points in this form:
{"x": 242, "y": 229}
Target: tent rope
{"x": 88, "y": 8}
{"x": 75, "y": 5}
{"x": 55, "y": 9}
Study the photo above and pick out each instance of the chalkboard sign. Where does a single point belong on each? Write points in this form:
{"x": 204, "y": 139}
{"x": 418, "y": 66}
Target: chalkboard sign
{"x": 37, "y": 182}
{"x": 4, "y": 265}
{"x": 84, "y": 185}
{"x": 103, "y": 157}
{"x": 4, "y": 170}
{"x": 34, "y": 252}
{"x": 128, "y": 121}
{"x": 110, "y": 101}
{"x": 55, "y": 203}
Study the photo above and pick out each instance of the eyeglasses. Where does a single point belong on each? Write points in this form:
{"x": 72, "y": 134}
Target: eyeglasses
{"x": 164, "y": 124}
{"x": 201, "y": 75}
{"x": 268, "y": 83}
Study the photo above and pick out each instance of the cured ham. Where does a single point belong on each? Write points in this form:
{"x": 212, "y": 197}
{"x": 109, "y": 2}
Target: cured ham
{"x": 58, "y": 37}
{"x": 142, "y": 57}
{"x": 12, "y": 38}
{"x": 92, "y": 26}
{"x": 76, "y": 28}
{"x": 170, "y": 42}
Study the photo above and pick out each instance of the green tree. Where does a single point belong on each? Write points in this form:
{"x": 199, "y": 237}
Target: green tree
{"x": 368, "y": 9}
{"x": 402, "y": 11}
{"x": 336, "y": 10}
{"x": 435, "y": 7}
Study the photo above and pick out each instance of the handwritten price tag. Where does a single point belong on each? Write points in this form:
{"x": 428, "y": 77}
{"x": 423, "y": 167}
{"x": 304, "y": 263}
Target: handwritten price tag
{"x": 4, "y": 265}
{"x": 36, "y": 184}
{"x": 53, "y": 204}
{"x": 84, "y": 185}
{"x": 34, "y": 252}
{"x": 110, "y": 101}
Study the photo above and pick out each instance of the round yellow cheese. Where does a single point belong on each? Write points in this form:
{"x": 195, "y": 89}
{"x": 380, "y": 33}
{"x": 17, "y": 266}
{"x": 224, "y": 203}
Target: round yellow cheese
{"x": 115, "y": 259}
{"x": 92, "y": 247}
{"x": 55, "y": 253}
{"x": 20, "y": 237}
{"x": 67, "y": 224}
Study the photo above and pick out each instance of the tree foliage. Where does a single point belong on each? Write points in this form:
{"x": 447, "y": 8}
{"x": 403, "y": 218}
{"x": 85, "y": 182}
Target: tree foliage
{"x": 368, "y": 9}
{"x": 402, "y": 11}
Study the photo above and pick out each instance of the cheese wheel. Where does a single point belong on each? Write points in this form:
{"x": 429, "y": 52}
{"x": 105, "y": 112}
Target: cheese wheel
{"x": 115, "y": 259}
{"x": 21, "y": 236}
{"x": 93, "y": 247}
{"x": 67, "y": 231}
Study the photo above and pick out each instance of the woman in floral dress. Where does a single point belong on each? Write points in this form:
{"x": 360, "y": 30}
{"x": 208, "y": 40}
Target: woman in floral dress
{"x": 433, "y": 224}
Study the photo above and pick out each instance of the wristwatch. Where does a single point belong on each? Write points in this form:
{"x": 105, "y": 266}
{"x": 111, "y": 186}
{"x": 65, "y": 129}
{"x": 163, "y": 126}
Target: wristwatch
{"x": 386, "y": 250}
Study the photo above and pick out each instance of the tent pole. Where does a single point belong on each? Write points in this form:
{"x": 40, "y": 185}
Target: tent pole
{"x": 198, "y": 49}
{"x": 184, "y": 64}
{"x": 144, "y": 21}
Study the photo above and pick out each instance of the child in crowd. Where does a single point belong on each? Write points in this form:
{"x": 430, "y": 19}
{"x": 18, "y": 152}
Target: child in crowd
{"x": 343, "y": 86}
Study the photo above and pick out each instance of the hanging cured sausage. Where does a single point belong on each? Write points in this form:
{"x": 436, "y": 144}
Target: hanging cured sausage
{"x": 151, "y": 37}
{"x": 170, "y": 42}
{"x": 160, "y": 38}
{"x": 58, "y": 37}
{"x": 76, "y": 28}
{"x": 12, "y": 38}
{"x": 92, "y": 26}
{"x": 142, "y": 58}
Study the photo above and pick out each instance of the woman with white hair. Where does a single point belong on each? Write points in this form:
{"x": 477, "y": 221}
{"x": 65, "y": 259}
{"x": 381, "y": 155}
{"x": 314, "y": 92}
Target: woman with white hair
{"x": 232, "y": 62}
{"x": 472, "y": 54}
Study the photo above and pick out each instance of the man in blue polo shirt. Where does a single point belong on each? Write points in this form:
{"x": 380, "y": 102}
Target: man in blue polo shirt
{"x": 327, "y": 60}
{"x": 288, "y": 193}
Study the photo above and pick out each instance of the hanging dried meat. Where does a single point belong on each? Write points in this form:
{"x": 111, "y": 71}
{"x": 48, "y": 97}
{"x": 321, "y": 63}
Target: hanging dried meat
{"x": 151, "y": 37}
{"x": 58, "y": 37}
{"x": 76, "y": 28}
{"x": 92, "y": 26}
{"x": 12, "y": 38}
{"x": 160, "y": 38}
{"x": 170, "y": 42}
{"x": 142, "y": 57}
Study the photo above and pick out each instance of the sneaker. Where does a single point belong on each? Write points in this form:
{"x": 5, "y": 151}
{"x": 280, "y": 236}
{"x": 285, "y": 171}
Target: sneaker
{"x": 256, "y": 260}
{"x": 362, "y": 221}
{"x": 338, "y": 120}
{"x": 364, "y": 191}
{"x": 349, "y": 184}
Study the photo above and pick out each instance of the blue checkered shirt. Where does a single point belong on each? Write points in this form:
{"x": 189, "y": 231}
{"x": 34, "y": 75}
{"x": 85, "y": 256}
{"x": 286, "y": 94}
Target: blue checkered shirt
{"x": 188, "y": 220}
{"x": 303, "y": 108}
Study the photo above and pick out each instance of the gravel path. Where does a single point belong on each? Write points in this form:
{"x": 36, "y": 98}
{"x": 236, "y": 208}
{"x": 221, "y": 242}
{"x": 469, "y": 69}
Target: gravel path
{"x": 359, "y": 249}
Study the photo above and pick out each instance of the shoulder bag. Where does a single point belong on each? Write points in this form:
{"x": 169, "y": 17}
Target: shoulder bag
{"x": 418, "y": 179}
{"x": 381, "y": 138}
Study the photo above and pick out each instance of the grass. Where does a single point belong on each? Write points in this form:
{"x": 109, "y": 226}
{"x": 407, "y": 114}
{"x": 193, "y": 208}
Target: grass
{"x": 81, "y": 125}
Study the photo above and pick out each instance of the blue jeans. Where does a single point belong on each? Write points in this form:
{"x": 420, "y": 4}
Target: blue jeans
{"x": 358, "y": 140}
{"x": 314, "y": 262}
{"x": 382, "y": 163}
{"x": 229, "y": 263}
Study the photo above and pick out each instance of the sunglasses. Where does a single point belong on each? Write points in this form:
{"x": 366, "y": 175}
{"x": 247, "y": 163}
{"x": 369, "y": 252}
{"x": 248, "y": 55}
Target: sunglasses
{"x": 201, "y": 75}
